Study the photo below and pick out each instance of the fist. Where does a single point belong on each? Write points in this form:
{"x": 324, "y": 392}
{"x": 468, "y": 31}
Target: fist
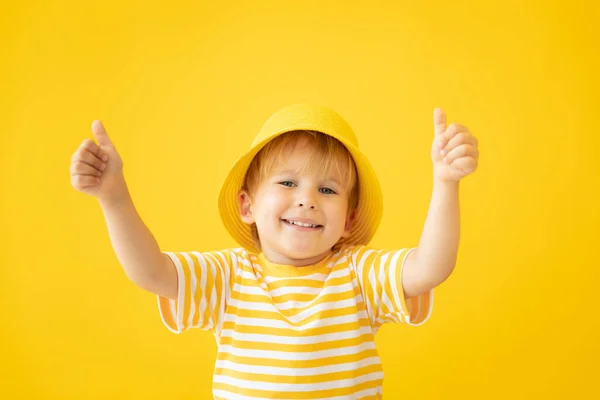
{"x": 97, "y": 169}
{"x": 454, "y": 152}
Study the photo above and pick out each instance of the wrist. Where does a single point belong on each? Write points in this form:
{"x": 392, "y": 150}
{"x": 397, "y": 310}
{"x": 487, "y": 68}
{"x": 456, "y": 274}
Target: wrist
{"x": 116, "y": 200}
{"x": 445, "y": 184}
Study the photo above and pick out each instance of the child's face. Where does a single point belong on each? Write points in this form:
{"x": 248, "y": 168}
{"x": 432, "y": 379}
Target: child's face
{"x": 285, "y": 198}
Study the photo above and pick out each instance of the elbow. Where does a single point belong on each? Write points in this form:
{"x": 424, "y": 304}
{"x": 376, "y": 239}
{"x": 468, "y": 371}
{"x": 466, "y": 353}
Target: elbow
{"x": 440, "y": 274}
{"x": 161, "y": 280}
{"x": 143, "y": 281}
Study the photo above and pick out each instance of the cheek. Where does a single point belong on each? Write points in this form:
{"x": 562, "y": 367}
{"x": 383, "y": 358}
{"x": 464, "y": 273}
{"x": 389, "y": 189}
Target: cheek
{"x": 274, "y": 202}
{"x": 337, "y": 212}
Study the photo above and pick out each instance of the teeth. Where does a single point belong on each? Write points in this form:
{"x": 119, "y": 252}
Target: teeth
{"x": 302, "y": 224}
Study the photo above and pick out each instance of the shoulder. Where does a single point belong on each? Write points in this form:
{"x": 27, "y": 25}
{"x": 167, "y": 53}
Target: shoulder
{"x": 354, "y": 251}
{"x": 230, "y": 257}
{"x": 237, "y": 252}
{"x": 363, "y": 256}
{"x": 350, "y": 253}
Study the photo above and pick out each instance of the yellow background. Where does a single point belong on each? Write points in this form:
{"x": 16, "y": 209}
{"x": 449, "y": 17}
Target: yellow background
{"x": 182, "y": 87}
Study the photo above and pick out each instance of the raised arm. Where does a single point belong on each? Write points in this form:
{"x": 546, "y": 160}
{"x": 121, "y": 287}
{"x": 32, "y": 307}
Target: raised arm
{"x": 97, "y": 170}
{"x": 454, "y": 155}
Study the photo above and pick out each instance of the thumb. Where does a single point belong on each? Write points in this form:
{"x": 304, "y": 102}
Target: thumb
{"x": 100, "y": 134}
{"x": 439, "y": 121}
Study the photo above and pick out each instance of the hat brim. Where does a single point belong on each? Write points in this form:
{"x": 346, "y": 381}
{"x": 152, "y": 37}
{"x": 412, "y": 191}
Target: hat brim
{"x": 369, "y": 208}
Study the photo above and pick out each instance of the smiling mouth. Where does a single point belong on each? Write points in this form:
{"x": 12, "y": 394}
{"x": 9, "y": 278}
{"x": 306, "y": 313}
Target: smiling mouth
{"x": 301, "y": 224}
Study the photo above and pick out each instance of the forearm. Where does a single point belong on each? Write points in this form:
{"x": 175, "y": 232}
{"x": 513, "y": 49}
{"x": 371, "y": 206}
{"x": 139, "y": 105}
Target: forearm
{"x": 135, "y": 246}
{"x": 438, "y": 245}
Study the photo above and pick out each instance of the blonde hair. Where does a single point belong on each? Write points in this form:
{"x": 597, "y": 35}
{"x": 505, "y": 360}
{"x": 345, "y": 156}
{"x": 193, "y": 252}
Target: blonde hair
{"x": 329, "y": 156}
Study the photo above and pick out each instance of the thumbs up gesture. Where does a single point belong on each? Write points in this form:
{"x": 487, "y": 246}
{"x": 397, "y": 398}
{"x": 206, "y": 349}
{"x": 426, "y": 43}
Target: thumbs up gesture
{"x": 454, "y": 152}
{"x": 97, "y": 169}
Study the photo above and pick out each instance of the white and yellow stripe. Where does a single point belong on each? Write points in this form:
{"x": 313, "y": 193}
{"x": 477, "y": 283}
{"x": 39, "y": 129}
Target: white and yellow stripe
{"x": 286, "y": 332}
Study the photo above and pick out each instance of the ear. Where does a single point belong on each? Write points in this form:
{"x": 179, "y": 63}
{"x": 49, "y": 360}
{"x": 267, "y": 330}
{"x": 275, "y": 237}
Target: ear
{"x": 245, "y": 207}
{"x": 349, "y": 223}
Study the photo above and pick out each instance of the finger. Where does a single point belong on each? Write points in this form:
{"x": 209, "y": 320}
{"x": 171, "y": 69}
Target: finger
{"x": 465, "y": 164}
{"x": 453, "y": 129}
{"x": 83, "y": 181}
{"x": 439, "y": 121}
{"x": 87, "y": 157}
{"x": 89, "y": 146}
{"x": 80, "y": 168}
{"x": 457, "y": 140}
{"x": 438, "y": 146}
{"x": 100, "y": 134}
{"x": 92, "y": 147}
{"x": 464, "y": 150}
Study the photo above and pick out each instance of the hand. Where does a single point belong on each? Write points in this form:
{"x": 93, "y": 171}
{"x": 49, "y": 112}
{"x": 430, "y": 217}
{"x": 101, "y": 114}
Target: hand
{"x": 97, "y": 169}
{"x": 454, "y": 152}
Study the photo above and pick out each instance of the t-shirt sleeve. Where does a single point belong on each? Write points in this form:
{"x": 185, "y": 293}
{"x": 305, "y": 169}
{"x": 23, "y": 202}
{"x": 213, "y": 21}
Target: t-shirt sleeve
{"x": 379, "y": 273}
{"x": 204, "y": 286}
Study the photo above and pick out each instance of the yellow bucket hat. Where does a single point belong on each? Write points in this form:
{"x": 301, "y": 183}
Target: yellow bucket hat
{"x": 304, "y": 117}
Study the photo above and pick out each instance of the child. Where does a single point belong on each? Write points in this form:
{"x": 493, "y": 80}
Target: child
{"x": 295, "y": 309}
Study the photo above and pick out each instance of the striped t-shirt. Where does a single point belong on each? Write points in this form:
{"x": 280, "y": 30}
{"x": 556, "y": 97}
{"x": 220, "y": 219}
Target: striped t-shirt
{"x": 286, "y": 332}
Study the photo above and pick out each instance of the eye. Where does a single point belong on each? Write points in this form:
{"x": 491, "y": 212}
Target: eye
{"x": 326, "y": 190}
{"x": 287, "y": 183}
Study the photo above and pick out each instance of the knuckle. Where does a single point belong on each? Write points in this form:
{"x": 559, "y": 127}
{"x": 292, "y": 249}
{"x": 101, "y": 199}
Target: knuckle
{"x": 76, "y": 181}
{"x": 80, "y": 155}
{"x": 457, "y": 152}
{"x": 451, "y": 131}
{"x": 80, "y": 167}
{"x": 87, "y": 144}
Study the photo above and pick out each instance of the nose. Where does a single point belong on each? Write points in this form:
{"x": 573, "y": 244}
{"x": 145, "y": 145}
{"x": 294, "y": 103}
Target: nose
{"x": 306, "y": 200}
{"x": 312, "y": 206}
